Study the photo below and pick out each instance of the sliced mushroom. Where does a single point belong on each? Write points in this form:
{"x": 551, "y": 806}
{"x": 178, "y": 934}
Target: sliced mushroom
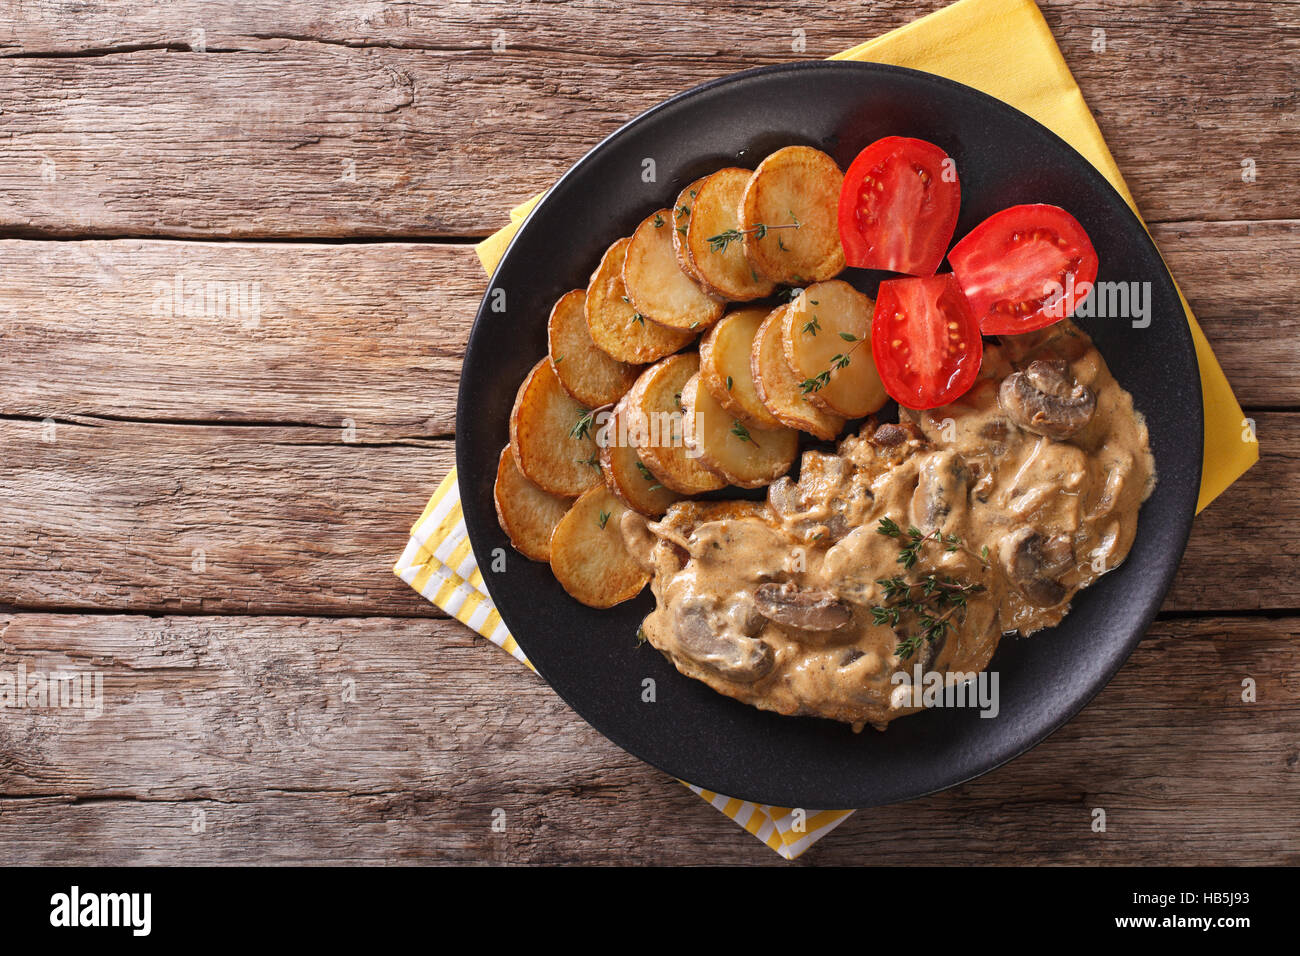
{"x": 806, "y": 609}
{"x": 709, "y": 642}
{"x": 1033, "y": 562}
{"x": 783, "y": 497}
{"x": 929, "y": 652}
{"x": 940, "y": 488}
{"x": 1045, "y": 400}
{"x": 890, "y": 435}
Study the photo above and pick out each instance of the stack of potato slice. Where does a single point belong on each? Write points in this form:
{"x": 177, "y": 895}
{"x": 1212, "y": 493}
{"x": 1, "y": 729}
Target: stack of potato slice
{"x": 618, "y": 418}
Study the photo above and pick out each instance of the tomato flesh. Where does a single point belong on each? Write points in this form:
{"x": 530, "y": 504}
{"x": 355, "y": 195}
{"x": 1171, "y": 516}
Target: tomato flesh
{"x": 1024, "y": 268}
{"x": 898, "y": 206}
{"x": 925, "y": 341}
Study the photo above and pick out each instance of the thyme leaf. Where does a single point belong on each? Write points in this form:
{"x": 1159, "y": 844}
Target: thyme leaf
{"x": 582, "y": 427}
{"x": 722, "y": 240}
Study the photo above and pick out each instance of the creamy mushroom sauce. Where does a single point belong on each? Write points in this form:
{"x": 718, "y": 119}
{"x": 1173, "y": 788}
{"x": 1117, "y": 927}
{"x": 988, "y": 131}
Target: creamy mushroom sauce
{"x": 770, "y": 603}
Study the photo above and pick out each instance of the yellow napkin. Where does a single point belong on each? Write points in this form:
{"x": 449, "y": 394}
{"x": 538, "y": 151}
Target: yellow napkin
{"x": 1005, "y": 49}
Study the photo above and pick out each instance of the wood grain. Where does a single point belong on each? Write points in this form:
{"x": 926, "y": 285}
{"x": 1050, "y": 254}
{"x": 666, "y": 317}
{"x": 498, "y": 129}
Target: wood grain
{"x": 1242, "y": 280}
{"x": 368, "y": 334}
{"x": 240, "y": 726}
{"x": 360, "y": 120}
{"x": 209, "y": 519}
{"x": 114, "y": 515}
{"x": 375, "y": 333}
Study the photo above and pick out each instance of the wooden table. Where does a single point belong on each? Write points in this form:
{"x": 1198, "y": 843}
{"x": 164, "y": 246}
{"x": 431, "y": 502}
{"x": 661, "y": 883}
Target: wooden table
{"x": 204, "y": 509}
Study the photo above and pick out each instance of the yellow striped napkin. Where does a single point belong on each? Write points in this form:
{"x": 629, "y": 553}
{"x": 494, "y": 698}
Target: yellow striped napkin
{"x": 1005, "y": 49}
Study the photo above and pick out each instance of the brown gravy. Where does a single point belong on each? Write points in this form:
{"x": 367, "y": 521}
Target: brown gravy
{"x": 772, "y": 603}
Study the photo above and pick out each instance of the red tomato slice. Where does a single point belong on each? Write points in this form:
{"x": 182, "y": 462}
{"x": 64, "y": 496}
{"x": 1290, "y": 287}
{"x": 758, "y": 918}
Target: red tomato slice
{"x": 898, "y": 206}
{"x": 1025, "y": 268}
{"x": 925, "y": 341}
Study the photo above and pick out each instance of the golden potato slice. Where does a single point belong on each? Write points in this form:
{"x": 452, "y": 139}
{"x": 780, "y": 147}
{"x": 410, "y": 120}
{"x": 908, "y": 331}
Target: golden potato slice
{"x": 826, "y": 339}
{"x": 720, "y": 265}
{"x": 654, "y": 409}
{"x": 725, "y": 368}
{"x": 625, "y": 473}
{"x": 526, "y": 514}
{"x": 744, "y": 455}
{"x": 585, "y": 372}
{"x": 778, "y": 387}
{"x": 659, "y": 289}
{"x": 551, "y": 446}
{"x": 796, "y": 185}
{"x": 615, "y": 327}
{"x": 588, "y": 556}
{"x": 681, "y": 221}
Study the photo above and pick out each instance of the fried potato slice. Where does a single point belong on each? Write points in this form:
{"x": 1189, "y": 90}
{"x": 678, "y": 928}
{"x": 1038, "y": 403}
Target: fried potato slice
{"x": 526, "y": 514}
{"x": 654, "y": 409}
{"x": 659, "y": 289}
{"x": 725, "y": 368}
{"x": 745, "y": 455}
{"x": 625, "y": 473}
{"x": 725, "y": 272}
{"x": 681, "y": 222}
{"x": 549, "y": 447}
{"x": 826, "y": 340}
{"x": 585, "y": 372}
{"x": 778, "y": 387}
{"x": 797, "y": 184}
{"x": 615, "y": 326}
{"x": 588, "y": 556}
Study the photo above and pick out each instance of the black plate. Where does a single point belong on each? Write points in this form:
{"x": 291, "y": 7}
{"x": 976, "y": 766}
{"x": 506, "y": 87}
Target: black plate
{"x": 591, "y": 657}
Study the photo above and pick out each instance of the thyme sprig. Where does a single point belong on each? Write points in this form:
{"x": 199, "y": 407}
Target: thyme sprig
{"x": 913, "y": 541}
{"x": 740, "y": 431}
{"x": 648, "y": 475}
{"x": 722, "y": 240}
{"x": 840, "y": 360}
{"x": 582, "y": 427}
{"x": 931, "y": 601}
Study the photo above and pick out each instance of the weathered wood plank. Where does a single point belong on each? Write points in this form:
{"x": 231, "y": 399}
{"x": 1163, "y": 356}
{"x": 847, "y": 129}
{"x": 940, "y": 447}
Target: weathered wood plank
{"x": 1243, "y": 550}
{"x": 368, "y": 334}
{"x": 209, "y": 519}
{"x": 114, "y": 515}
{"x": 374, "y": 334}
{"x": 1242, "y": 280}
{"x": 281, "y": 128}
{"x": 239, "y": 728}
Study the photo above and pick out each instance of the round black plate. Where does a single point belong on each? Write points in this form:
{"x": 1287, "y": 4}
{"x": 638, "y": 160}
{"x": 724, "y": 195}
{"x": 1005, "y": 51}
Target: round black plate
{"x": 591, "y": 658}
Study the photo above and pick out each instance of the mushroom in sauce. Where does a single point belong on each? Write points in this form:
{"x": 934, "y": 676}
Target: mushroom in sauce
{"x": 1005, "y": 495}
{"x": 804, "y": 609}
{"x": 712, "y": 640}
{"x": 1033, "y": 563}
{"x": 1046, "y": 400}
